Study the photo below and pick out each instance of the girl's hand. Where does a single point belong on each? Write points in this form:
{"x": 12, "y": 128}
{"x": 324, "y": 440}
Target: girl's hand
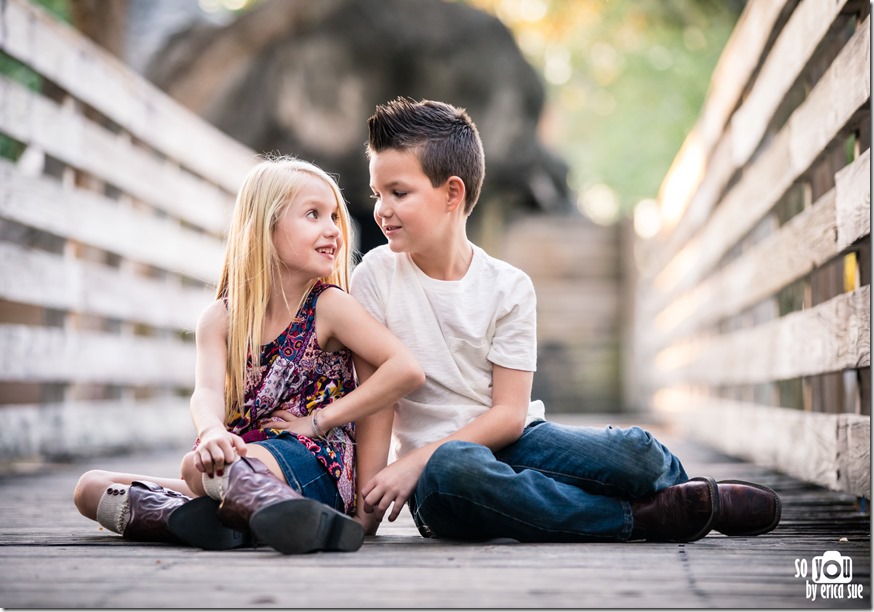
{"x": 285, "y": 420}
{"x": 218, "y": 447}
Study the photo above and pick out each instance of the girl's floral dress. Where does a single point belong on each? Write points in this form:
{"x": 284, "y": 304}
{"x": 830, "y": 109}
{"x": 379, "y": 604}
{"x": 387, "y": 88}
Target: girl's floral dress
{"x": 298, "y": 376}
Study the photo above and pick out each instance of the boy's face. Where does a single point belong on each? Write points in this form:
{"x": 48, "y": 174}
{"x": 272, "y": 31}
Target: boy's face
{"x": 410, "y": 211}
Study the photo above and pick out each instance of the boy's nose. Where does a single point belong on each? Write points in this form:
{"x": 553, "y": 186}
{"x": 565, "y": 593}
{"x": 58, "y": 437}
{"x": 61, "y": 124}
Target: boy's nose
{"x": 381, "y": 211}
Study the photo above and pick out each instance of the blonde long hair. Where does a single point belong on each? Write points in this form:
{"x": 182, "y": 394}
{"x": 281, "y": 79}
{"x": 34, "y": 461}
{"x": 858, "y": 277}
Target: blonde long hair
{"x": 251, "y": 259}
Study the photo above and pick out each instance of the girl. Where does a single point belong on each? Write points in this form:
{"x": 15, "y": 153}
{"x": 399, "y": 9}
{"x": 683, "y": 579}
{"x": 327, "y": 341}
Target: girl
{"x": 275, "y": 398}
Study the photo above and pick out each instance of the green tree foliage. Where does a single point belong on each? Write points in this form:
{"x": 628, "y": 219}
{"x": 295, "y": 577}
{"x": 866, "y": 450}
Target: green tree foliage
{"x": 625, "y": 82}
{"x": 18, "y": 72}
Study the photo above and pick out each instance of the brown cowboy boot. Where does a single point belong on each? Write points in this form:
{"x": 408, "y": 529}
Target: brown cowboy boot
{"x": 255, "y": 499}
{"x": 146, "y": 512}
{"x": 681, "y": 513}
{"x": 746, "y": 508}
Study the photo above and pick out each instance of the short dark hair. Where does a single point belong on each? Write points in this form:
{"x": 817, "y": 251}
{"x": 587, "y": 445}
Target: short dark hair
{"x": 443, "y": 137}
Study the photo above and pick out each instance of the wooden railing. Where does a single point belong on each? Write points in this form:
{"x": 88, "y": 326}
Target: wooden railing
{"x": 113, "y": 208}
{"x": 752, "y": 317}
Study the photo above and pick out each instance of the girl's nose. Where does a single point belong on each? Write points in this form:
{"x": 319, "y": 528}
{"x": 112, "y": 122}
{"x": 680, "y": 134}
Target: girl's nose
{"x": 331, "y": 228}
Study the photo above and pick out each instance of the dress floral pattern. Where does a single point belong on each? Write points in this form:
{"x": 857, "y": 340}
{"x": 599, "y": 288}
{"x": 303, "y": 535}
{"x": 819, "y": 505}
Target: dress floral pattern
{"x": 296, "y": 375}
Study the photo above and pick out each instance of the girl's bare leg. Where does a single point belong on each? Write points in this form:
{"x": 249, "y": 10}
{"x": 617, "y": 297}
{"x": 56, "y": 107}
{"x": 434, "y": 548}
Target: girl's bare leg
{"x": 94, "y": 483}
{"x": 193, "y": 478}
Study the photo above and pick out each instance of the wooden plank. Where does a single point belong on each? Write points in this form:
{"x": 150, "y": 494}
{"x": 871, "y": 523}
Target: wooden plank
{"x": 829, "y": 337}
{"x": 806, "y": 28}
{"x": 100, "y": 80}
{"x": 94, "y": 427}
{"x": 842, "y": 91}
{"x": 853, "y": 187}
{"x": 737, "y": 62}
{"x": 49, "y": 354}
{"x": 810, "y": 445}
{"x": 76, "y": 141}
{"x": 806, "y": 242}
{"x": 30, "y": 276}
{"x": 717, "y": 173}
{"x": 734, "y": 69}
{"x": 136, "y": 235}
{"x": 54, "y": 557}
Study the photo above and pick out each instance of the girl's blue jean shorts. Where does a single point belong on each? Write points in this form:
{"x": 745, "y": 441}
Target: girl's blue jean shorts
{"x": 302, "y": 471}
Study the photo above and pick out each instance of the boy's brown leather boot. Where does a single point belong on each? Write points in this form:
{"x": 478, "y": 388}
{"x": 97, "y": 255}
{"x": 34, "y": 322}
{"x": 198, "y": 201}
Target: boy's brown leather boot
{"x": 147, "y": 512}
{"x": 255, "y": 499}
{"x": 682, "y": 513}
{"x": 747, "y": 508}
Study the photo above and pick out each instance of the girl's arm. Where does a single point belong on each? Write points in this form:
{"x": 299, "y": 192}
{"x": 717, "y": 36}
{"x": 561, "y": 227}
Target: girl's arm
{"x": 341, "y": 322}
{"x": 341, "y": 318}
{"x": 217, "y": 445}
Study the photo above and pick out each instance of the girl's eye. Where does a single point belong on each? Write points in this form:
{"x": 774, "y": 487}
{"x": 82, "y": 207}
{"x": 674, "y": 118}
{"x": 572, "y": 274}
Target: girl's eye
{"x": 312, "y": 214}
{"x": 335, "y": 217}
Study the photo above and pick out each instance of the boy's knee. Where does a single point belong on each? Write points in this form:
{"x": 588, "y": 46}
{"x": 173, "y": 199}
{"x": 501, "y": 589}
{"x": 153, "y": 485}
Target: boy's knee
{"x": 451, "y": 465}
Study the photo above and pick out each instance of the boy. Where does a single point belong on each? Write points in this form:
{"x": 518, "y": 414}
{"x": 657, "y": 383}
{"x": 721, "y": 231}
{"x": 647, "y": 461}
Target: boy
{"x": 476, "y": 459}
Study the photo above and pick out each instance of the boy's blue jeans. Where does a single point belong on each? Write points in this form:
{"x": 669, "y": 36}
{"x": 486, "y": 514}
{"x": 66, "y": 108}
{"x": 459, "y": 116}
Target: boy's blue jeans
{"x": 554, "y": 484}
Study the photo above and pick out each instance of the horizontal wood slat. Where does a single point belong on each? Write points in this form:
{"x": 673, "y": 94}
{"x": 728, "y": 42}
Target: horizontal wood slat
{"x": 68, "y": 429}
{"x": 48, "y": 354}
{"x": 95, "y": 77}
{"x": 830, "y": 449}
{"x": 806, "y": 28}
{"x": 829, "y": 337}
{"x": 817, "y": 122}
{"x": 710, "y": 138}
{"x": 36, "y": 277}
{"x": 853, "y": 201}
{"x": 76, "y": 141}
{"x": 806, "y": 242}
{"x": 136, "y": 235}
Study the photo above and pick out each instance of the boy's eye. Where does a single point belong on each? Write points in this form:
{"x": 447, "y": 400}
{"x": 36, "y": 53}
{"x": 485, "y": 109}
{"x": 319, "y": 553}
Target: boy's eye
{"x": 399, "y": 194}
{"x": 374, "y": 196}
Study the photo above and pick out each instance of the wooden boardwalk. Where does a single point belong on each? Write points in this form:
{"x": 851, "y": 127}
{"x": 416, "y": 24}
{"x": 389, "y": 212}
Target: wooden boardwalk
{"x": 51, "y": 557}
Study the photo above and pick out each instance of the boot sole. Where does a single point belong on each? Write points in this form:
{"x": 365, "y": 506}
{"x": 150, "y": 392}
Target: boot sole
{"x": 297, "y": 526}
{"x": 778, "y": 509}
{"x": 196, "y": 523}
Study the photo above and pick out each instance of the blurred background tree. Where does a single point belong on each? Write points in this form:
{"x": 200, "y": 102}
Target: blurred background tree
{"x": 625, "y": 81}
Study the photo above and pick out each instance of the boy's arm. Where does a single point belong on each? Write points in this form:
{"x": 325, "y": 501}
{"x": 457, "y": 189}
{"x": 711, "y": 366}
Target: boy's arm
{"x": 499, "y": 426}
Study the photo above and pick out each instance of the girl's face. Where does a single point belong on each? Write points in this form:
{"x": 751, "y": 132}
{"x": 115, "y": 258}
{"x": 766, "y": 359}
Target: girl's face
{"x": 307, "y": 236}
{"x": 410, "y": 211}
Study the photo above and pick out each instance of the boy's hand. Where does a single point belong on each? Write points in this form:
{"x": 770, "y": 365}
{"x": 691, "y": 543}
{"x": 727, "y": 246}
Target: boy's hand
{"x": 218, "y": 447}
{"x": 393, "y": 485}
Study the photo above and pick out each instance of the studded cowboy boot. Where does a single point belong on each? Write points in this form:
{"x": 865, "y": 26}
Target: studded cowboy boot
{"x": 146, "y": 512}
{"x": 253, "y": 498}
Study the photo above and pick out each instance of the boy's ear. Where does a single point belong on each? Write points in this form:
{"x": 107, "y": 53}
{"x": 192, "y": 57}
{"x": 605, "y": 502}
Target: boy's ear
{"x": 455, "y": 192}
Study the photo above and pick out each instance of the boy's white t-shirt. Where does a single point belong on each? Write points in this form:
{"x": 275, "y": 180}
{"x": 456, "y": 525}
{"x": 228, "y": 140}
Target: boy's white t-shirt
{"x": 457, "y": 330}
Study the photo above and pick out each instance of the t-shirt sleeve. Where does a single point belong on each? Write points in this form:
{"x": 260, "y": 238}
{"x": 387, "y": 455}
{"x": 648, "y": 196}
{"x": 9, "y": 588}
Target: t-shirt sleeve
{"x": 515, "y": 342}
{"x": 364, "y": 287}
